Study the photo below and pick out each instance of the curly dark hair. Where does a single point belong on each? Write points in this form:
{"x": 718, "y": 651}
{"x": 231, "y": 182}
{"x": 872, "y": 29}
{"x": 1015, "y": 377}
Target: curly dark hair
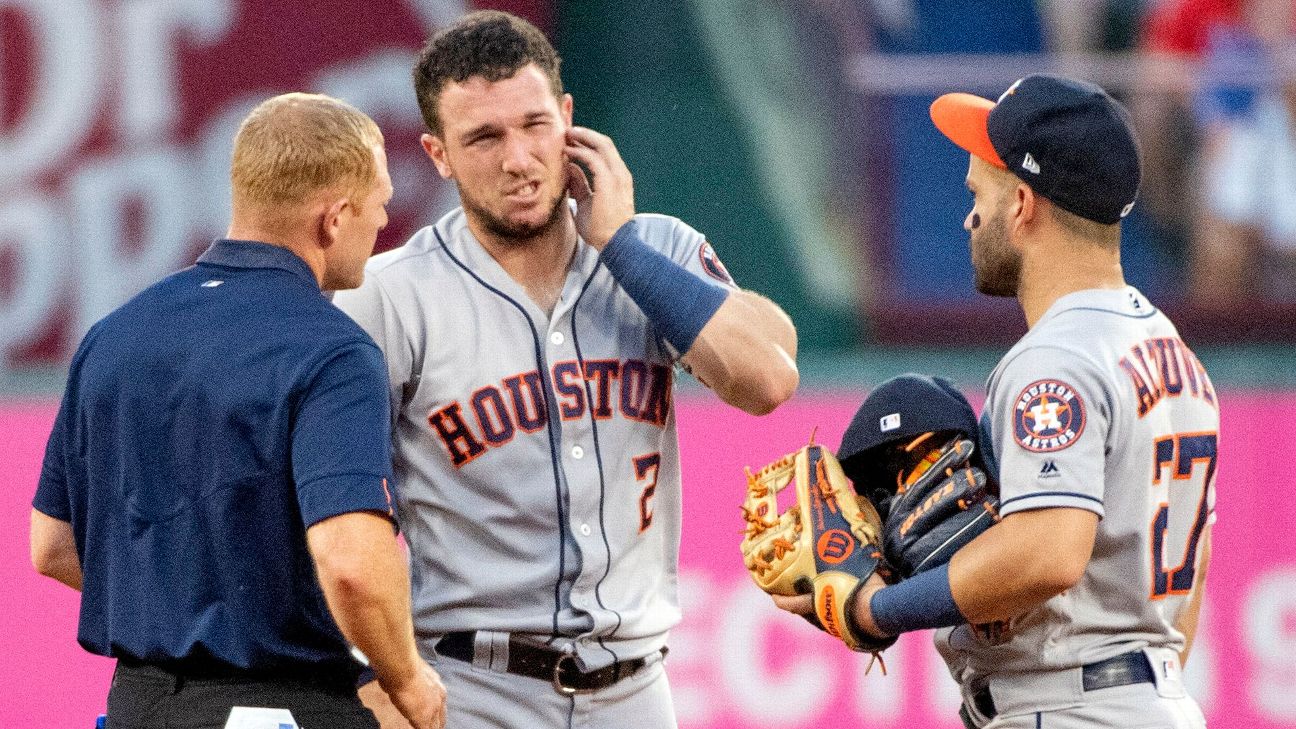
{"x": 486, "y": 43}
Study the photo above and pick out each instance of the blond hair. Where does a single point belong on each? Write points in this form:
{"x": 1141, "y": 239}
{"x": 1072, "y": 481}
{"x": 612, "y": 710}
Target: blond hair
{"x": 294, "y": 145}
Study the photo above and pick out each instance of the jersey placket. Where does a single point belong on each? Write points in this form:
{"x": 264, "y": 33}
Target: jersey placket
{"x": 580, "y": 456}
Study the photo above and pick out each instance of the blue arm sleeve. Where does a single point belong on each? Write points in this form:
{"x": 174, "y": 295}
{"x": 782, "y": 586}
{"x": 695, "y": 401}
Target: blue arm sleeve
{"x": 341, "y": 443}
{"x": 678, "y": 303}
{"x": 920, "y": 602}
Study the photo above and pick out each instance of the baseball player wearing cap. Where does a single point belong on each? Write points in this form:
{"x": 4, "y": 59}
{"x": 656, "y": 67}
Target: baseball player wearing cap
{"x": 531, "y": 346}
{"x": 1100, "y": 427}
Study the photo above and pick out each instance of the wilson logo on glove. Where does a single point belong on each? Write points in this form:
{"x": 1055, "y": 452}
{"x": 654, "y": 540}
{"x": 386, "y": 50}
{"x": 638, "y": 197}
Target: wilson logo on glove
{"x": 828, "y": 543}
{"x": 835, "y": 546}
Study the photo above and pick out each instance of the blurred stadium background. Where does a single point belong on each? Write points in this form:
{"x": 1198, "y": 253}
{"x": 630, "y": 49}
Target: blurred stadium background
{"x": 794, "y": 134}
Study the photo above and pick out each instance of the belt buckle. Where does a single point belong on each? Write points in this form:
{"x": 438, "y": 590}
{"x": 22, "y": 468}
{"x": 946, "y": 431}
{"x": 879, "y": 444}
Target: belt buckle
{"x": 558, "y": 685}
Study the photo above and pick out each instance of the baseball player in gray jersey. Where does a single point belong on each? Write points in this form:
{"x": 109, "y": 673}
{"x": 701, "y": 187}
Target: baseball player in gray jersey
{"x": 1079, "y": 607}
{"x": 531, "y": 338}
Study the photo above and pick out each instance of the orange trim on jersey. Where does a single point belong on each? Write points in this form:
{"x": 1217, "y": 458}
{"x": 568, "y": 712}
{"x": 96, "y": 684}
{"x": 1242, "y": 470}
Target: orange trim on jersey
{"x": 565, "y": 389}
{"x": 650, "y": 395}
{"x": 963, "y": 118}
{"x": 1202, "y": 512}
{"x": 1172, "y": 376}
{"x": 1159, "y": 464}
{"x": 603, "y": 408}
{"x": 502, "y": 410}
{"x": 1158, "y": 559}
{"x": 521, "y": 410}
{"x": 635, "y": 380}
{"x": 642, "y": 464}
{"x": 462, "y": 431}
{"x": 658, "y": 405}
{"x": 1177, "y": 475}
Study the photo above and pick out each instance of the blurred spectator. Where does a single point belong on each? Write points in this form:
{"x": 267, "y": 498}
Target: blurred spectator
{"x": 1219, "y": 150}
{"x": 1245, "y": 242}
{"x": 1174, "y": 40}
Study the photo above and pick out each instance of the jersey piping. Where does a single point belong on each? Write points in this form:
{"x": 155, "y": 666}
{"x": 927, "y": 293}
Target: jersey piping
{"x": 598, "y": 456}
{"x": 549, "y": 421}
{"x": 1037, "y": 494}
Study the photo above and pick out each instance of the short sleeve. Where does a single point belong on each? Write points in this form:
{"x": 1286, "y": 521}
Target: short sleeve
{"x": 371, "y": 307}
{"x": 52, "y": 497}
{"x": 691, "y": 250}
{"x": 341, "y": 440}
{"x": 1048, "y": 424}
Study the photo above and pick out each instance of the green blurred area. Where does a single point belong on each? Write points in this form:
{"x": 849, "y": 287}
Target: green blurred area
{"x": 855, "y": 371}
{"x": 643, "y": 75}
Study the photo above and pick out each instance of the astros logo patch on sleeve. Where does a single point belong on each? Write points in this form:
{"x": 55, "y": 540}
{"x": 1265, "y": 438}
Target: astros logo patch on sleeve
{"x": 712, "y": 265}
{"x": 1048, "y": 416}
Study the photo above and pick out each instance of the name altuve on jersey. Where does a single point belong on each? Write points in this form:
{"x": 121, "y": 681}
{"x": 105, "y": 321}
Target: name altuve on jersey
{"x": 643, "y": 394}
{"x": 1162, "y": 367}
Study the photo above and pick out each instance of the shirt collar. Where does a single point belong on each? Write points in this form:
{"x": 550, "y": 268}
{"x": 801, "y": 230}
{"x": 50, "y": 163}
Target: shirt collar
{"x": 1127, "y": 301}
{"x": 252, "y": 254}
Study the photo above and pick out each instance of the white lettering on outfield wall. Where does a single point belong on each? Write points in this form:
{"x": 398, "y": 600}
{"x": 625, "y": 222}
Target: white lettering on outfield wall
{"x": 150, "y": 83}
{"x": 86, "y": 230}
{"x": 32, "y": 231}
{"x": 1269, "y": 632}
{"x": 68, "y": 56}
{"x": 736, "y": 660}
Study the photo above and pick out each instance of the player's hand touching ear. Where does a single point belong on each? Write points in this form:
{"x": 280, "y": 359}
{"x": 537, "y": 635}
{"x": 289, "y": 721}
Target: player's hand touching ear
{"x": 603, "y": 207}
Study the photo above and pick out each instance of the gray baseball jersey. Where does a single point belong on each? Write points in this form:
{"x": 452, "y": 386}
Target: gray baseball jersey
{"x": 1101, "y": 406}
{"x": 536, "y": 456}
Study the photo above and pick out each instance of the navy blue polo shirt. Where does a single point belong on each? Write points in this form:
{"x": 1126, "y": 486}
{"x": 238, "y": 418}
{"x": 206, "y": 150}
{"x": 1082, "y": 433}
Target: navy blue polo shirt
{"x": 207, "y": 423}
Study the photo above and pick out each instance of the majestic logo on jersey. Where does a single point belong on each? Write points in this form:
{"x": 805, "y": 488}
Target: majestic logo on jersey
{"x": 712, "y": 265}
{"x": 1049, "y": 416}
{"x": 493, "y": 415}
{"x": 1050, "y": 470}
{"x": 1165, "y": 367}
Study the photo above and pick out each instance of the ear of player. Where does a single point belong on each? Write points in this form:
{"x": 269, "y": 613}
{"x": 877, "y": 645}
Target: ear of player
{"x": 827, "y": 543}
{"x": 940, "y": 506}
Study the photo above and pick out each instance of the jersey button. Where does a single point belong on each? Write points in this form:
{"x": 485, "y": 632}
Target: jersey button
{"x": 577, "y": 452}
{"x": 557, "y": 338}
{"x": 585, "y": 530}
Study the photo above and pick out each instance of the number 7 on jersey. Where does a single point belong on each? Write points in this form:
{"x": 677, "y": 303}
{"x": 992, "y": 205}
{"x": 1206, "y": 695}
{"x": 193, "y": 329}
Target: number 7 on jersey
{"x": 1174, "y": 468}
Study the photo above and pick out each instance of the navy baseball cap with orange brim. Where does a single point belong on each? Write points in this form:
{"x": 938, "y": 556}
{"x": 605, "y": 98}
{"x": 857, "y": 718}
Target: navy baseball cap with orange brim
{"x": 1067, "y": 139}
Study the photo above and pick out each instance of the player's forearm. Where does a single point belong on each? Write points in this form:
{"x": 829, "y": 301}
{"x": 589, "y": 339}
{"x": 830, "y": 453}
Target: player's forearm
{"x": 365, "y": 580}
{"x": 747, "y": 353}
{"x": 53, "y": 550}
{"x": 1021, "y": 562}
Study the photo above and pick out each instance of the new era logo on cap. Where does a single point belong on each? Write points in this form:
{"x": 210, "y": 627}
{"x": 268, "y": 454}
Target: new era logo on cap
{"x": 1085, "y": 137}
{"x": 890, "y": 422}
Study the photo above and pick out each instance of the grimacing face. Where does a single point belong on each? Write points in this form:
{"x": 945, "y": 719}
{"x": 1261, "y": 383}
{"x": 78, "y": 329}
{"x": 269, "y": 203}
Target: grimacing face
{"x": 996, "y": 264}
{"x": 503, "y": 144}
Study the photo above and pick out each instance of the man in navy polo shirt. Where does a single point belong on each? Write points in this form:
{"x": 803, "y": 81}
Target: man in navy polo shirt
{"x": 218, "y": 481}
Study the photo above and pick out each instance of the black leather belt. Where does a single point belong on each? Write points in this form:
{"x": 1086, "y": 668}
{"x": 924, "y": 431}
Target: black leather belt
{"x": 546, "y": 664}
{"x": 1123, "y": 670}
